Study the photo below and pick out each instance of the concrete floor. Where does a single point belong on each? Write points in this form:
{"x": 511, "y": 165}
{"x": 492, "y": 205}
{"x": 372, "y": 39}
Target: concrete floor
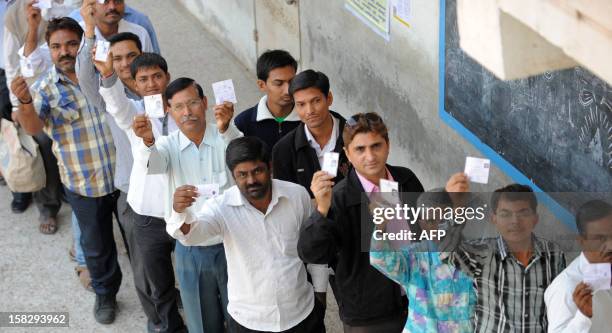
{"x": 35, "y": 271}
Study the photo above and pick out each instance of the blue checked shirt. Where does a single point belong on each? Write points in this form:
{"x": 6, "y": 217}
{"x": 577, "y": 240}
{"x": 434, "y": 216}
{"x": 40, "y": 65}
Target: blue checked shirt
{"x": 82, "y": 141}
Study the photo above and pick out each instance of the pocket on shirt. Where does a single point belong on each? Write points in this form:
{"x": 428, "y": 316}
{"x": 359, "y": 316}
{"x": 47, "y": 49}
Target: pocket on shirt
{"x": 64, "y": 111}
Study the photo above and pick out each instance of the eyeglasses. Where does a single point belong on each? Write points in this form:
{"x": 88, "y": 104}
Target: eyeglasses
{"x": 370, "y": 117}
{"x": 521, "y": 215}
{"x": 192, "y": 104}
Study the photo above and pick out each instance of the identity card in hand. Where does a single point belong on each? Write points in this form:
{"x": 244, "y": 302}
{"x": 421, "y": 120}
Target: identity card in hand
{"x": 154, "y": 106}
{"x": 27, "y": 70}
{"x": 207, "y": 191}
{"x": 102, "y": 49}
{"x": 477, "y": 169}
{"x": 224, "y": 92}
{"x": 330, "y": 163}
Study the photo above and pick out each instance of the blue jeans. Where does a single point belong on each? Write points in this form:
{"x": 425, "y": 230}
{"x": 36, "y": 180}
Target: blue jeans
{"x": 202, "y": 275}
{"x": 76, "y": 236}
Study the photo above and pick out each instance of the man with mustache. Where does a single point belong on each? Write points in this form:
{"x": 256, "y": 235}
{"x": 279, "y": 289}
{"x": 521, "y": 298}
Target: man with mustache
{"x": 86, "y": 155}
{"x": 569, "y": 299}
{"x": 193, "y": 155}
{"x": 109, "y": 21}
{"x": 272, "y": 117}
{"x": 131, "y": 15}
{"x": 511, "y": 271}
{"x": 259, "y": 221}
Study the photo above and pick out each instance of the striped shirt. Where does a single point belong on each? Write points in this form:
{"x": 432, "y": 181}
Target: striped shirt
{"x": 82, "y": 141}
{"x": 510, "y": 296}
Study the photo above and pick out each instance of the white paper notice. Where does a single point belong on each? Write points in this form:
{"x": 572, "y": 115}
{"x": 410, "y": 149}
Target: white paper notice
{"x": 477, "y": 169}
{"x": 101, "y": 1}
{"x": 224, "y": 92}
{"x": 102, "y": 49}
{"x": 154, "y": 106}
{"x": 402, "y": 11}
{"x": 207, "y": 191}
{"x": 597, "y": 276}
{"x": 43, "y": 4}
{"x": 27, "y": 70}
{"x": 330, "y": 163}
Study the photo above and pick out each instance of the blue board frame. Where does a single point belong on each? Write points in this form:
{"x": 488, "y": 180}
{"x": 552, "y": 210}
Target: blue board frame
{"x": 516, "y": 175}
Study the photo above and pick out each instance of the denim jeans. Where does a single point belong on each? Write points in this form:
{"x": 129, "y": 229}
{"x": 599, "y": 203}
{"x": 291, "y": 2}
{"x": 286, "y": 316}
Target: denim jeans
{"x": 202, "y": 275}
{"x": 76, "y": 236}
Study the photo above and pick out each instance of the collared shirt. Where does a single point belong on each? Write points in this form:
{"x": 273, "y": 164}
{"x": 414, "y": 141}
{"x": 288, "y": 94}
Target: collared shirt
{"x": 263, "y": 112}
{"x": 147, "y": 193}
{"x": 267, "y": 285}
{"x": 134, "y": 16}
{"x": 563, "y": 314}
{"x": 368, "y": 186}
{"x": 126, "y": 26}
{"x": 329, "y": 146}
{"x": 510, "y": 296}
{"x": 187, "y": 164}
{"x": 82, "y": 141}
{"x": 441, "y": 298}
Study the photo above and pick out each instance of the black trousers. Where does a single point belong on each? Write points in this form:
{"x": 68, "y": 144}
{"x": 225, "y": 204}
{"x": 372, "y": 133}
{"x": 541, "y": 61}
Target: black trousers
{"x": 309, "y": 325}
{"x": 95, "y": 216}
{"x": 150, "y": 258}
{"x": 48, "y": 200}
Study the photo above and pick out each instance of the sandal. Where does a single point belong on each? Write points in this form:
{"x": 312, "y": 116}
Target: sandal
{"x": 48, "y": 226}
{"x": 83, "y": 273}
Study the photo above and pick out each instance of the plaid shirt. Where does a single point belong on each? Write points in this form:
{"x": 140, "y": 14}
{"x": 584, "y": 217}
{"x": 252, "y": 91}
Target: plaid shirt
{"x": 510, "y": 296}
{"x": 82, "y": 141}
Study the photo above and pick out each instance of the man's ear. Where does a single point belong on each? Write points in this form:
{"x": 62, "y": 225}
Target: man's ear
{"x": 261, "y": 84}
{"x": 330, "y": 99}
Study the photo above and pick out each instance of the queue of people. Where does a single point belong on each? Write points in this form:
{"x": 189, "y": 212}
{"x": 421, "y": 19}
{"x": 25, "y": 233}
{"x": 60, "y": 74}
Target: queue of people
{"x": 258, "y": 225}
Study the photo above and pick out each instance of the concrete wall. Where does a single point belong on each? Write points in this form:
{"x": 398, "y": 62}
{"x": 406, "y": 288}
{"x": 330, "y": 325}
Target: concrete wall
{"x": 231, "y": 21}
{"x": 398, "y": 79}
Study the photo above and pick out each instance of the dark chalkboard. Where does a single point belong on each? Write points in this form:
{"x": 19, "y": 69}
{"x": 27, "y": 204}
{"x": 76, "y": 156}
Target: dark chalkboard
{"x": 555, "y": 128}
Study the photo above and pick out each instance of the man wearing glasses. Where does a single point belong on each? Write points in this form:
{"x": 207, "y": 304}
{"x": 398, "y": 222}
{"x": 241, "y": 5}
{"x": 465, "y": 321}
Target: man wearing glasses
{"x": 193, "y": 155}
{"x": 512, "y": 270}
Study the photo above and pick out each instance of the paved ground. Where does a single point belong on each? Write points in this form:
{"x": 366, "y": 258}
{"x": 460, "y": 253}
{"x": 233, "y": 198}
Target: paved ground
{"x": 35, "y": 271}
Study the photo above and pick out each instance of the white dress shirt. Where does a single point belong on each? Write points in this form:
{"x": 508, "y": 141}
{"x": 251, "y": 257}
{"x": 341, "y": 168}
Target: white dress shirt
{"x": 329, "y": 146}
{"x": 187, "y": 164}
{"x": 147, "y": 193}
{"x": 267, "y": 285}
{"x": 563, "y": 314}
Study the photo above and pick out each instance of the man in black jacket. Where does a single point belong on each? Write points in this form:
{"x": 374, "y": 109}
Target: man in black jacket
{"x": 272, "y": 118}
{"x": 298, "y": 155}
{"x": 368, "y": 301}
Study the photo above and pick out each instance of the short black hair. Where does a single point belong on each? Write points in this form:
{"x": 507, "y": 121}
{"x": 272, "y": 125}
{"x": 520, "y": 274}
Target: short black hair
{"x": 181, "y": 84}
{"x": 63, "y": 23}
{"x": 272, "y": 59}
{"x": 126, "y": 36}
{"x": 591, "y": 211}
{"x": 245, "y": 149}
{"x": 148, "y": 60}
{"x": 514, "y": 192}
{"x": 310, "y": 79}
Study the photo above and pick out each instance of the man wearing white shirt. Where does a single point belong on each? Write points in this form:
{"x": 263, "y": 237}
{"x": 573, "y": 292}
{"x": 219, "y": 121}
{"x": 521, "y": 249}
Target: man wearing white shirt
{"x": 259, "y": 221}
{"x": 193, "y": 155}
{"x": 569, "y": 300}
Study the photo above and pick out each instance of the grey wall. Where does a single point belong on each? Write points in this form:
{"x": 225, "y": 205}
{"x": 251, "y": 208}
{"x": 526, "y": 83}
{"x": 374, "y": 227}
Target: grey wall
{"x": 398, "y": 79}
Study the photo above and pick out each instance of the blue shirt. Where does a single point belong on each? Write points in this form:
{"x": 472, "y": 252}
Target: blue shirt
{"x": 2, "y": 11}
{"x": 134, "y": 16}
